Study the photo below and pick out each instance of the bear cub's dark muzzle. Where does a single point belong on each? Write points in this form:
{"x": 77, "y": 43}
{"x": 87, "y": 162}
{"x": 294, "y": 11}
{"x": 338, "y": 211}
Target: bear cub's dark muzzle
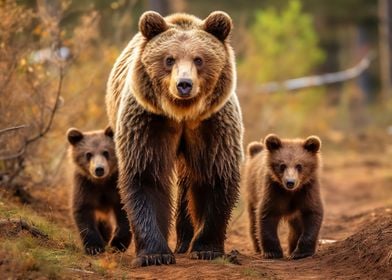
{"x": 184, "y": 87}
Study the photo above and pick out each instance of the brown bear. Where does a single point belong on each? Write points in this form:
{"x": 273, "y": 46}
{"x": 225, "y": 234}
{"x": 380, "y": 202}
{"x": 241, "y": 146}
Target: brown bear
{"x": 171, "y": 98}
{"x": 282, "y": 181}
{"x": 95, "y": 199}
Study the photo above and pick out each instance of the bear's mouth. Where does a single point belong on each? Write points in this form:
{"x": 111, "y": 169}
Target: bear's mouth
{"x": 291, "y": 187}
{"x": 181, "y": 109}
{"x": 181, "y": 99}
{"x": 183, "y": 102}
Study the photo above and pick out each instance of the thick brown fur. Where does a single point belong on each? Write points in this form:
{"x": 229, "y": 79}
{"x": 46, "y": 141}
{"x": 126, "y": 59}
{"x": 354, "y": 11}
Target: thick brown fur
{"x": 161, "y": 135}
{"x": 281, "y": 177}
{"x": 95, "y": 198}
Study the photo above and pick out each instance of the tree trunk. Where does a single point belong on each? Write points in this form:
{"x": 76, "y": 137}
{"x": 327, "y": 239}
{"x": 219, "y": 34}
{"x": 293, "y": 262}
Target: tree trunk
{"x": 385, "y": 28}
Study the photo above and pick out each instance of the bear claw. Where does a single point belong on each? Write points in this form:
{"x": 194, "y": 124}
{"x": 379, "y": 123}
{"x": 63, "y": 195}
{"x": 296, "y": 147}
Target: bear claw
{"x": 273, "y": 255}
{"x": 154, "y": 259}
{"x": 94, "y": 250}
{"x": 299, "y": 255}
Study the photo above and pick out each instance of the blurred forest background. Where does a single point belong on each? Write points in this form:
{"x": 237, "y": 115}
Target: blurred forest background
{"x": 56, "y": 57}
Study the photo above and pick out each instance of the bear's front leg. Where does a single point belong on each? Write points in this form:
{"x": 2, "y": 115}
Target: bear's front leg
{"x": 211, "y": 205}
{"x": 148, "y": 205}
{"x": 269, "y": 235}
{"x": 307, "y": 242}
{"x": 146, "y": 147}
{"x": 184, "y": 227}
{"x": 213, "y": 154}
{"x": 295, "y": 232}
{"x": 85, "y": 221}
{"x": 253, "y": 228}
{"x": 122, "y": 235}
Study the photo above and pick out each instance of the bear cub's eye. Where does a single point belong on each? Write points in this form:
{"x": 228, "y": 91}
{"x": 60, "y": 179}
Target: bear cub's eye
{"x": 282, "y": 167}
{"x": 105, "y": 154}
{"x": 298, "y": 167}
{"x": 198, "y": 61}
{"x": 89, "y": 155}
{"x": 169, "y": 61}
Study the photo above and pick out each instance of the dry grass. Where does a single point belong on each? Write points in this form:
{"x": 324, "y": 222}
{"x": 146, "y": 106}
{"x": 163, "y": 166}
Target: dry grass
{"x": 59, "y": 256}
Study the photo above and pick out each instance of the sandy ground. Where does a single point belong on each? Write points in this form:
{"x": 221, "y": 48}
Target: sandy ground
{"x": 357, "y": 194}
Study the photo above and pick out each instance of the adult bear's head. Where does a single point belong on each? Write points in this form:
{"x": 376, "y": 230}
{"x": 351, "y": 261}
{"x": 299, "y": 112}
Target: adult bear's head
{"x": 186, "y": 67}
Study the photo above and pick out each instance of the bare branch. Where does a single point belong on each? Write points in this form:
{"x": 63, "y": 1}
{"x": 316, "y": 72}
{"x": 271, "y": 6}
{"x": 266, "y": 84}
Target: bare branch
{"x": 42, "y": 132}
{"x": 16, "y": 155}
{"x": 80, "y": 270}
{"x": 22, "y": 149}
{"x": 319, "y": 80}
{"x": 10, "y": 73}
{"x": 8, "y": 129}
{"x": 53, "y": 111}
{"x": 20, "y": 225}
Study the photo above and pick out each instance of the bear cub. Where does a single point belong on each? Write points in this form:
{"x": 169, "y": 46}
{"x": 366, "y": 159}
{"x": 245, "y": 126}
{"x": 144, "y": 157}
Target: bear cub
{"x": 282, "y": 181}
{"x": 96, "y": 206}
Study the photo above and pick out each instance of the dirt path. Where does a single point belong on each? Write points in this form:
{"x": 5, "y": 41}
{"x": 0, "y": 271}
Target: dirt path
{"x": 357, "y": 193}
{"x": 352, "y": 190}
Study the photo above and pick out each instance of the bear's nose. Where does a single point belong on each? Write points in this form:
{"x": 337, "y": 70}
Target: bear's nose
{"x": 184, "y": 87}
{"x": 290, "y": 184}
{"x": 99, "y": 171}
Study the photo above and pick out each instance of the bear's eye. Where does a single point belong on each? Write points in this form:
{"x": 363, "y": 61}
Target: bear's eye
{"x": 198, "y": 61}
{"x": 298, "y": 167}
{"x": 169, "y": 61}
{"x": 89, "y": 155}
{"x": 282, "y": 167}
{"x": 105, "y": 154}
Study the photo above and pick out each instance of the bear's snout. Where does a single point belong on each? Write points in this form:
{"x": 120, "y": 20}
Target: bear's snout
{"x": 184, "y": 87}
{"x": 290, "y": 178}
{"x": 290, "y": 184}
{"x": 99, "y": 167}
{"x": 99, "y": 171}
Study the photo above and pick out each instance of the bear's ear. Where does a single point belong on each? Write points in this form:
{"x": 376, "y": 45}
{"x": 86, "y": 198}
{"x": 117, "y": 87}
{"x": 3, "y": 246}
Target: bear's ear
{"x": 312, "y": 144}
{"x": 254, "y": 148}
{"x": 74, "y": 136}
{"x": 272, "y": 142}
{"x": 218, "y": 24}
{"x": 151, "y": 24}
{"x": 109, "y": 132}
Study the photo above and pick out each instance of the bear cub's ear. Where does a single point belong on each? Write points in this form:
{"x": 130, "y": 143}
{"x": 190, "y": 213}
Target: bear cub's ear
{"x": 151, "y": 24}
{"x": 74, "y": 136}
{"x": 272, "y": 142}
{"x": 109, "y": 132}
{"x": 218, "y": 24}
{"x": 254, "y": 148}
{"x": 312, "y": 144}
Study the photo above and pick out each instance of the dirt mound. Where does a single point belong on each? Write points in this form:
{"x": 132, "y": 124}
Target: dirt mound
{"x": 367, "y": 252}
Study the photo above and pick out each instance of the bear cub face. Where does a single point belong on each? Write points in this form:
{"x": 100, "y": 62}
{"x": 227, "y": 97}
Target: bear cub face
{"x": 282, "y": 182}
{"x": 292, "y": 163}
{"x": 93, "y": 153}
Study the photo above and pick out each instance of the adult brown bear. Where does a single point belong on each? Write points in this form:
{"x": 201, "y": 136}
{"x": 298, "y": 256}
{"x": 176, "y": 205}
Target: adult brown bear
{"x": 171, "y": 98}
